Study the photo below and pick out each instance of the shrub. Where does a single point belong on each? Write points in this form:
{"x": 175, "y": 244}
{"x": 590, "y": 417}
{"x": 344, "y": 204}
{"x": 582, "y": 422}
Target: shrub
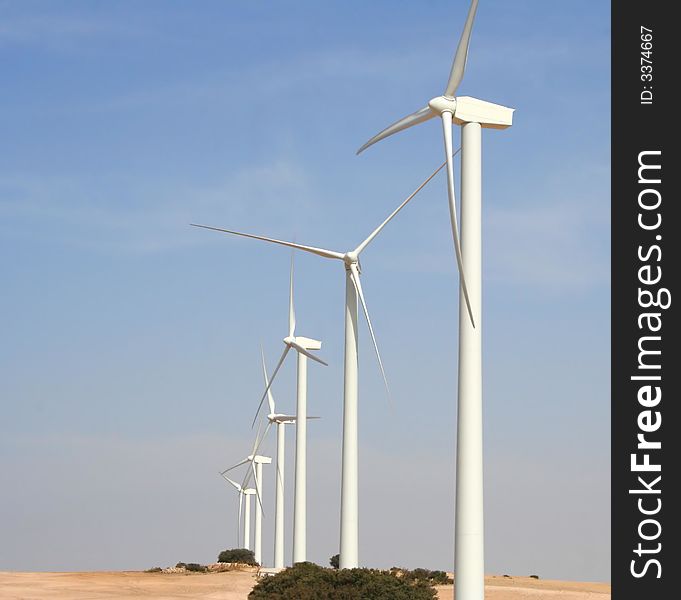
{"x": 307, "y": 581}
{"x": 237, "y": 555}
{"x": 154, "y": 570}
{"x": 196, "y": 568}
{"x": 433, "y": 577}
{"x": 534, "y": 576}
{"x": 334, "y": 561}
{"x": 181, "y": 565}
{"x": 440, "y": 578}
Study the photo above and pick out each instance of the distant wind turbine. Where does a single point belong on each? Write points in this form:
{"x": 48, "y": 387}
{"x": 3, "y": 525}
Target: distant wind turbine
{"x": 349, "y": 537}
{"x": 280, "y": 420}
{"x": 302, "y": 345}
{"x": 255, "y": 461}
{"x": 248, "y": 492}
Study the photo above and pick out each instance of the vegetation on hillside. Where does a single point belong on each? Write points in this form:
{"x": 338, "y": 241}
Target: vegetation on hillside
{"x": 237, "y": 555}
{"x": 307, "y": 581}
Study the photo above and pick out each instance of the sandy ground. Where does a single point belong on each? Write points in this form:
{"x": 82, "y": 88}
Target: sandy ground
{"x": 526, "y": 588}
{"x": 235, "y": 586}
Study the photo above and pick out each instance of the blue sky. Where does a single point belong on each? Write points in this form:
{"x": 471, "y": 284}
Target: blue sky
{"x": 130, "y": 341}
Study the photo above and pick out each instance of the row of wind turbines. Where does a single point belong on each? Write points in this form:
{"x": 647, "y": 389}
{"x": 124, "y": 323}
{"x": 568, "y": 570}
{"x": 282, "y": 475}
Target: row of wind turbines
{"x": 254, "y": 460}
{"x": 472, "y": 115}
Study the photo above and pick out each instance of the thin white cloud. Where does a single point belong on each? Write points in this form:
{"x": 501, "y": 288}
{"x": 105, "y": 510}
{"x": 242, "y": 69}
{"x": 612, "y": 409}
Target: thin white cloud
{"x": 144, "y": 216}
{"x": 333, "y": 70}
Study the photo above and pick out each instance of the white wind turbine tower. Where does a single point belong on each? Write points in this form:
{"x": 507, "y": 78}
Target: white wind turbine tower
{"x": 280, "y": 420}
{"x": 349, "y": 535}
{"x": 248, "y": 492}
{"x": 258, "y": 462}
{"x": 472, "y": 115}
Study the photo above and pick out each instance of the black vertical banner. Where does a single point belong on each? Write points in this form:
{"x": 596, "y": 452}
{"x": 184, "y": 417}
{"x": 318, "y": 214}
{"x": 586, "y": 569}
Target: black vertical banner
{"x": 646, "y": 428}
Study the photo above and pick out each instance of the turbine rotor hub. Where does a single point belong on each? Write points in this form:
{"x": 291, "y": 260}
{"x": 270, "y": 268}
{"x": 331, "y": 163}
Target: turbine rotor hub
{"x": 351, "y": 258}
{"x": 442, "y": 104}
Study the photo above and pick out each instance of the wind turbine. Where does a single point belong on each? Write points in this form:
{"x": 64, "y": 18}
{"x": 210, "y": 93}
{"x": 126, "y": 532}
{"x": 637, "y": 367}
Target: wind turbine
{"x": 243, "y": 490}
{"x": 459, "y": 110}
{"x": 349, "y": 537}
{"x": 302, "y": 345}
{"x": 280, "y": 420}
{"x": 248, "y": 492}
{"x": 256, "y": 462}
{"x": 472, "y": 115}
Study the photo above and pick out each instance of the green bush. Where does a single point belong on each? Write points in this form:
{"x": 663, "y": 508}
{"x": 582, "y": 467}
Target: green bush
{"x": 237, "y": 555}
{"x": 196, "y": 567}
{"x": 334, "y": 561}
{"x": 154, "y": 570}
{"x": 440, "y": 578}
{"x": 434, "y": 577}
{"x": 307, "y": 581}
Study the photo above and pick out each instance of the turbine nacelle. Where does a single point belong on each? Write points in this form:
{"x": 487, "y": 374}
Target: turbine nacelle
{"x": 304, "y": 342}
{"x": 258, "y": 459}
{"x": 487, "y": 114}
{"x": 284, "y": 419}
{"x": 465, "y": 109}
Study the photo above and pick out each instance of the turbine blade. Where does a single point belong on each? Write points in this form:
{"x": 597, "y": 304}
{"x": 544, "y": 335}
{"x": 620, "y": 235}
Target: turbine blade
{"x": 292, "y": 417}
{"x": 291, "y": 309}
{"x": 447, "y": 130}
{"x": 378, "y": 229}
{"x": 312, "y": 249}
{"x": 262, "y": 439}
{"x": 256, "y": 444}
{"x": 270, "y": 398}
{"x": 234, "y": 483}
{"x": 243, "y": 462}
{"x": 354, "y": 273}
{"x": 254, "y": 453}
{"x": 280, "y": 474}
{"x": 258, "y": 440}
{"x": 461, "y": 56}
{"x": 247, "y": 479}
{"x": 267, "y": 389}
{"x": 307, "y": 353}
{"x": 409, "y": 121}
{"x": 257, "y": 486}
